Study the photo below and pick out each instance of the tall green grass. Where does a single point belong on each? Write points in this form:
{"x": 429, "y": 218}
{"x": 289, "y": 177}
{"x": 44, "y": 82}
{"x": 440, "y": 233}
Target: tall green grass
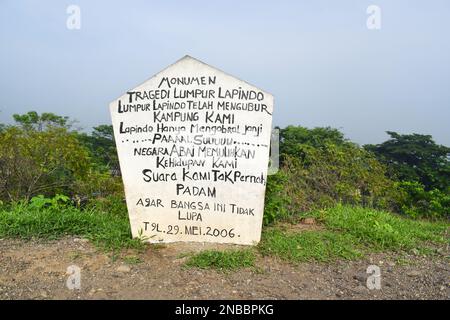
{"x": 109, "y": 231}
{"x": 380, "y": 229}
{"x": 349, "y": 233}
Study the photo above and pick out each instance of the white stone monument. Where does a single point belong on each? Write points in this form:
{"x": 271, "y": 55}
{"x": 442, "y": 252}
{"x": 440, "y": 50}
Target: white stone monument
{"x": 193, "y": 145}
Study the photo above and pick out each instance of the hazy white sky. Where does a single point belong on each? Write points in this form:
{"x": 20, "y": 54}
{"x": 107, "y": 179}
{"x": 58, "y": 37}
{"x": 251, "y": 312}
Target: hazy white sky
{"x": 319, "y": 60}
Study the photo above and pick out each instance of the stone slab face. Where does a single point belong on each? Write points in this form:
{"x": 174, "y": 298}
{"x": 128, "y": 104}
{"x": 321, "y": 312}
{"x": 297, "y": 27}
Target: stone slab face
{"x": 193, "y": 145}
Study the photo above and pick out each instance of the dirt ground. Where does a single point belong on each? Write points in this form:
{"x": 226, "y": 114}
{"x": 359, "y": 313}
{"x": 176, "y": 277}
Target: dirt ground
{"x": 38, "y": 270}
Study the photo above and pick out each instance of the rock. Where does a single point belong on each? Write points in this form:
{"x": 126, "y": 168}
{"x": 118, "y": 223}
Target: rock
{"x": 124, "y": 269}
{"x": 98, "y": 292}
{"x": 360, "y": 289}
{"x": 309, "y": 221}
{"x": 180, "y": 260}
{"x": 44, "y": 294}
{"x": 362, "y": 277}
{"x": 80, "y": 240}
{"x": 413, "y": 273}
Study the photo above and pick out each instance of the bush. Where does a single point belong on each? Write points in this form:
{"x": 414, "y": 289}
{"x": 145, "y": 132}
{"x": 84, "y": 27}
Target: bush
{"x": 97, "y": 184}
{"x": 276, "y": 200}
{"x": 319, "y": 169}
{"x": 57, "y": 202}
{"x": 323, "y": 177}
{"x": 113, "y": 204}
{"x": 416, "y": 202}
{"x": 102, "y": 147}
{"x": 294, "y": 138}
{"x": 41, "y": 156}
{"x": 39, "y": 162}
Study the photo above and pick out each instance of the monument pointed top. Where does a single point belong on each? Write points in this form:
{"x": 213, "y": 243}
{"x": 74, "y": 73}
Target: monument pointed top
{"x": 196, "y": 67}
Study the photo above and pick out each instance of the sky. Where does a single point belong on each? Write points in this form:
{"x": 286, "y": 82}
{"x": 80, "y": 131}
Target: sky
{"x": 319, "y": 59}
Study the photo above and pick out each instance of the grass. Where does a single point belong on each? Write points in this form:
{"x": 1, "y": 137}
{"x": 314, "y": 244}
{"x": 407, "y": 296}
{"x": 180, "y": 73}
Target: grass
{"x": 222, "y": 260}
{"x": 304, "y": 246}
{"x": 107, "y": 231}
{"x": 132, "y": 260}
{"x": 382, "y": 230}
{"x": 347, "y": 233}
{"x": 352, "y": 232}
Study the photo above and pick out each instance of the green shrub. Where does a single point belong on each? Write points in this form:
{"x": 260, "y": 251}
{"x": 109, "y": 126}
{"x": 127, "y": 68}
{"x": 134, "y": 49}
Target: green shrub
{"x": 42, "y": 155}
{"x": 276, "y": 200}
{"x": 294, "y": 138}
{"x": 416, "y": 202}
{"x": 323, "y": 177}
{"x": 97, "y": 184}
{"x": 39, "y": 162}
{"x": 41, "y": 202}
{"x": 113, "y": 204}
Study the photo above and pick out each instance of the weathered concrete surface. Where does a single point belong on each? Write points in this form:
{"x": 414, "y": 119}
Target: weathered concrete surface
{"x": 193, "y": 145}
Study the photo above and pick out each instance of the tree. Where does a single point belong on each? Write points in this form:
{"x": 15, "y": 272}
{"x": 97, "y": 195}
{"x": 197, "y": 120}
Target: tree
{"x": 294, "y": 138}
{"x": 41, "y": 155}
{"x": 36, "y": 162}
{"x": 415, "y": 157}
{"x": 102, "y": 147}
{"x": 321, "y": 168}
{"x": 33, "y": 121}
